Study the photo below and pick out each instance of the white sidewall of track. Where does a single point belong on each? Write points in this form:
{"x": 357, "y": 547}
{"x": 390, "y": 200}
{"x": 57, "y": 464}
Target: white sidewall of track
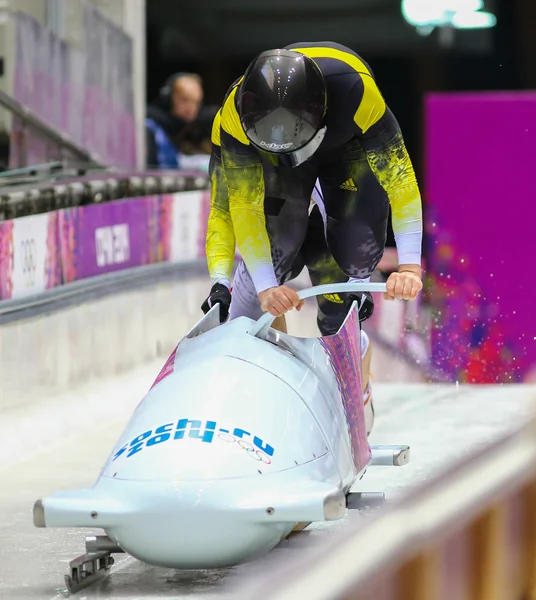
{"x": 100, "y": 338}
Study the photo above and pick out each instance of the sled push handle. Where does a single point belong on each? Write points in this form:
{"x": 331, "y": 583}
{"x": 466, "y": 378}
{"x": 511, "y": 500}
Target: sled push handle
{"x": 261, "y": 326}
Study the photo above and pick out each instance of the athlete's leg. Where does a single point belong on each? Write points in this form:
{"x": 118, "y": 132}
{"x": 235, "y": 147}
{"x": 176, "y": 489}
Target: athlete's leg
{"x": 323, "y": 269}
{"x": 357, "y": 210}
{"x": 245, "y": 302}
{"x": 286, "y": 207}
{"x": 332, "y": 310}
{"x": 368, "y": 400}
{"x": 366, "y": 359}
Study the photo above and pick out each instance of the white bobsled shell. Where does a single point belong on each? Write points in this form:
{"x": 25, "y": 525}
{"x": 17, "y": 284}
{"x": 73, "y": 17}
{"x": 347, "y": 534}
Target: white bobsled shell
{"x": 260, "y": 425}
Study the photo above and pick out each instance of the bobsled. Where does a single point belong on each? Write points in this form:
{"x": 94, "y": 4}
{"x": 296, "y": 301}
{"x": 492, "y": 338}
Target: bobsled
{"x": 247, "y": 435}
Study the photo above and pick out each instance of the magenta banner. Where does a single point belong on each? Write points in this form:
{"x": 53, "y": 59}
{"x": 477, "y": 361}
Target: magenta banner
{"x": 202, "y": 235}
{"x": 161, "y": 230}
{"x": 40, "y": 252}
{"x": 6, "y": 259}
{"x": 103, "y": 238}
{"x": 480, "y": 214}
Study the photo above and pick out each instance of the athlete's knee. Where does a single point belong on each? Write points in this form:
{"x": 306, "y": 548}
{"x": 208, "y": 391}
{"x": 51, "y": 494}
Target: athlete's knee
{"x": 242, "y": 307}
{"x": 357, "y": 248}
{"x": 295, "y": 269}
{"x": 244, "y": 299}
{"x": 366, "y": 346}
{"x": 329, "y": 324}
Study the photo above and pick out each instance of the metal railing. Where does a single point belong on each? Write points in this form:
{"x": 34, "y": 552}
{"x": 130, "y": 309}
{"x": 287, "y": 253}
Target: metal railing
{"x": 72, "y": 186}
{"x": 80, "y": 178}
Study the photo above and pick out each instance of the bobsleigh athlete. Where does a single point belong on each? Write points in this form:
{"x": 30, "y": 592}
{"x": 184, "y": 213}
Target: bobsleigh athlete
{"x": 310, "y": 112}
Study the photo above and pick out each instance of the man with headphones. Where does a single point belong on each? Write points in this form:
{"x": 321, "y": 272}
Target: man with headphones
{"x": 170, "y": 118}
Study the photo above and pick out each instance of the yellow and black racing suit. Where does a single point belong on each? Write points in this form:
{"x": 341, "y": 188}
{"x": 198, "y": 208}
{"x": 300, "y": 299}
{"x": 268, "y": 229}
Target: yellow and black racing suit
{"x": 362, "y": 165}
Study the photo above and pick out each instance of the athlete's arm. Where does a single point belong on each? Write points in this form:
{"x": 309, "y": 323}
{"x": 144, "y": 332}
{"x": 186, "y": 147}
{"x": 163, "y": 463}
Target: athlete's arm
{"x": 220, "y": 241}
{"x": 389, "y": 160}
{"x": 391, "y": 164}
{"x": 243, "y": 174}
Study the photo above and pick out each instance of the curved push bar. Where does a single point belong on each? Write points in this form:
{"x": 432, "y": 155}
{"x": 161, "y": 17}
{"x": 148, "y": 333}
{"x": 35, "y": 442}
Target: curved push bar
{"x": 264, "y": 323}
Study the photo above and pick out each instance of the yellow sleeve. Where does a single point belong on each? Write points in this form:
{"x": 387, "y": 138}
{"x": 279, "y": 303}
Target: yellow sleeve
{"x": 389, "y": 160}
{"x": 244, "y": 177}
{"x": 393, "y": 168}
{"x": 220, "y": 242}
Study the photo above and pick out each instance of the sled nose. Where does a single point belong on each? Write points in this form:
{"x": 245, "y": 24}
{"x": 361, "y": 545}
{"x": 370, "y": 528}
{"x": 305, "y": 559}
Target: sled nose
{"x": 190, "y": 537}
{"x": 78, "y": 508}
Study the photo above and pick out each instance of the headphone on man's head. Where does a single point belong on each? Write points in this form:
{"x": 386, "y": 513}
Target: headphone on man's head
{"x": 166, "y": 91}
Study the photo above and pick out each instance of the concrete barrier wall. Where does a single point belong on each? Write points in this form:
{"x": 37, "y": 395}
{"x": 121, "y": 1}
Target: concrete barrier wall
{"x": 57, "y": 45}
{"x": 99, "y": 338}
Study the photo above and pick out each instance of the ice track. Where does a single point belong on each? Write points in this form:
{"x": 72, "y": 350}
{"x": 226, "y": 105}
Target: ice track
{"x": 440, "y": 422}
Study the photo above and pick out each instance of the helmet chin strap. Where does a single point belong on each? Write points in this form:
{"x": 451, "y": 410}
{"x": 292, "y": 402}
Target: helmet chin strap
{"x": 300, "y": 156}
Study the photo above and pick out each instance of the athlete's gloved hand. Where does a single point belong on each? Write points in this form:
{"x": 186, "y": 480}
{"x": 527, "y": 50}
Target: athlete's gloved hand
{"x": 219, "y": 293}
{"x": 365, "y": 304}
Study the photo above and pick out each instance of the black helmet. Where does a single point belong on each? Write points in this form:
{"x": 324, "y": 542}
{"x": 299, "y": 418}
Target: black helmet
{"x": 281, "y": 101}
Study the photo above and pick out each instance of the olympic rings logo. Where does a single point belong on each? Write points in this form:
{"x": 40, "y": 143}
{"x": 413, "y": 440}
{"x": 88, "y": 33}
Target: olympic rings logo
{"x": 29, "y": 266}
{"x": 249, "y": 448}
